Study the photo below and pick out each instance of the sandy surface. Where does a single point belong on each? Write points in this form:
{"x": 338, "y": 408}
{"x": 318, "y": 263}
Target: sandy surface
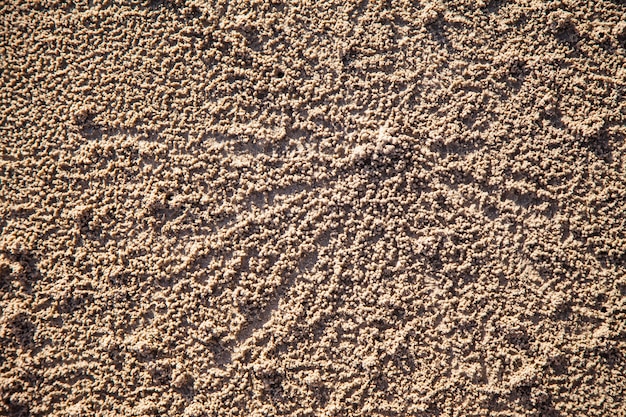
{"x": 313, "y": 209}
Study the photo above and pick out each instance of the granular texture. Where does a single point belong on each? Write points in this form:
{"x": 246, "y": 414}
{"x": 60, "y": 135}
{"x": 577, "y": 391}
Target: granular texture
{"x": 322, "y": 208}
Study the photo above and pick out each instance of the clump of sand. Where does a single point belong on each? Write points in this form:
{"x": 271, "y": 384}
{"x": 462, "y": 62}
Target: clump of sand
{"x": 312, "y": 208}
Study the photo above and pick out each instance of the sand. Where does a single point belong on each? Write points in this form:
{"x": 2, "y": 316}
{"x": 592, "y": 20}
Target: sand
{"x": 383, "y": 208}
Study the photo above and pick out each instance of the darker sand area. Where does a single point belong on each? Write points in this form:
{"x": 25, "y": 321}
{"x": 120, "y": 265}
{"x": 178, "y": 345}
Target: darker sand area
{"x": 375, "y": 208}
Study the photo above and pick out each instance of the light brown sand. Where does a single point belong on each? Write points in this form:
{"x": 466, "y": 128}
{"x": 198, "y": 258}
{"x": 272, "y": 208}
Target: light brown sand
{"x": 313, "y": 209}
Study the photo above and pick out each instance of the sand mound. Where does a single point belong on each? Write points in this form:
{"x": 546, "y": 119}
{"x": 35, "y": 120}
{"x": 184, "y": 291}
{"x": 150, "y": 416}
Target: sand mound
{"x": 234, "y": 208}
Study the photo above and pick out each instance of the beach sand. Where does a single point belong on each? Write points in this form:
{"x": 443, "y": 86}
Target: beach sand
{"x": 266, "y": 208}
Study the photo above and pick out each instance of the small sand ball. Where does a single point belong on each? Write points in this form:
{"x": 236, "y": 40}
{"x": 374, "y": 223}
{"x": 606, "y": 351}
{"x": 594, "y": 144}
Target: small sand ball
{"x": 359, "y": 153}
{"x": 194, "y": 410}
{"x": 430, "y": 14}
{"x": 181, "y": 380}
{"x": 619, "y": 31}
{"x": 314, "y": 379}
{"x": 560, "y": 20}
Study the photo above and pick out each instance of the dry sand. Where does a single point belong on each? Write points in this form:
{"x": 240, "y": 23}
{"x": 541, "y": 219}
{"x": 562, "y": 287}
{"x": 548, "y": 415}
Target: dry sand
{"x": 240, "y": 208}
